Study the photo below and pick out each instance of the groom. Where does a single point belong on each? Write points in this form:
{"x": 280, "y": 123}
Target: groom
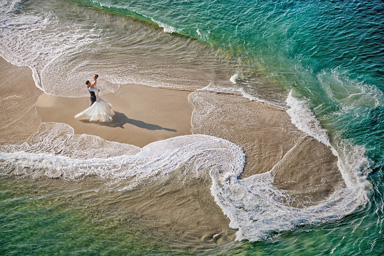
{"x": 91, "y": 89}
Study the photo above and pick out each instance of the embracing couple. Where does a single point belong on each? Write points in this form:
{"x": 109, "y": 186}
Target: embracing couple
{"x": 100, "y": 109}
{"x": 92, "y": 89}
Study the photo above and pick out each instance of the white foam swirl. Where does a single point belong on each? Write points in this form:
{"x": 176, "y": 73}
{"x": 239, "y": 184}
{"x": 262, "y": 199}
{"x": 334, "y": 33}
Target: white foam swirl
{"x": 41, "y": 156}
{"x": 303, "y": 118}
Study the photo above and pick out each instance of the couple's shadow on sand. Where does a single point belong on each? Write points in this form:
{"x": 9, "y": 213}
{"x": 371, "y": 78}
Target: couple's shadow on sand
{"x": 120, "y": 119}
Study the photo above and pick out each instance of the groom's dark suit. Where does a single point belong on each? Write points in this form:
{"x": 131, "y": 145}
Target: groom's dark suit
{"x": 93, "y": 95}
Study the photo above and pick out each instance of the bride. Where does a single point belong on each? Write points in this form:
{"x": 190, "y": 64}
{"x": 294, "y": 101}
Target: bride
{"x": 100, "y": 109}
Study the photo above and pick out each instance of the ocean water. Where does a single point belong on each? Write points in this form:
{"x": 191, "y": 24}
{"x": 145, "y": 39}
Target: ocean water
{"x": 321, "y": 61}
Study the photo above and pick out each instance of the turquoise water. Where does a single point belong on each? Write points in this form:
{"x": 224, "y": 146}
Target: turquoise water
{"x": 330, "y": 54}
{"x": 51, "y": 222}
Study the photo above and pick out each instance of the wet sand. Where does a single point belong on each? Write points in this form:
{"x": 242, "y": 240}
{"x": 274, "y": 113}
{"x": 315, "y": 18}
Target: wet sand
{"x": 186, "y": 211}
{"x": 142, "y": 114}
{"x": 302, "y": 166}
{"x": 18, "y": 95}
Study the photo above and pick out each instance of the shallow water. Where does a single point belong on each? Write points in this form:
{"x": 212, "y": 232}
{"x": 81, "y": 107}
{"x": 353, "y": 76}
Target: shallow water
{"x": 320, "y": 61}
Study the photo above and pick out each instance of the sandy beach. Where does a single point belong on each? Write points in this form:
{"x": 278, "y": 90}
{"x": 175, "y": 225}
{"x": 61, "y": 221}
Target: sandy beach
{"x": 238, "y": 127}
{"x": 18, "y": 114}
{"x": 303, "y": 167}
{"x": 147, "y": 114}
{"x": 143, "y": 114}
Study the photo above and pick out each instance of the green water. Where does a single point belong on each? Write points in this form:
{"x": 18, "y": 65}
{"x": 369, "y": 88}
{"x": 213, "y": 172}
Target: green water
{"x": 37, "y": 219}
{"x": 44, "y": 221}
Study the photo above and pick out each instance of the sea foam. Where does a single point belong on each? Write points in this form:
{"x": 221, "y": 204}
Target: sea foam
{"x": 54, "y": 151}
{"x": 303, "y": 118}
{"x": 7, "y": 6}
{"x": 254, "y": 205}
{"x": 36, "y": 41}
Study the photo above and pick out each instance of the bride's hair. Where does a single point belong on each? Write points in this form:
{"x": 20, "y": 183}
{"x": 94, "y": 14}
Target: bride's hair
{"x": 96, "y": 75}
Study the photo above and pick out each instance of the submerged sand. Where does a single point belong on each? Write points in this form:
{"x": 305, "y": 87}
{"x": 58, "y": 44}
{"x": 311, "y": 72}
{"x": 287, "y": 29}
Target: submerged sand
{"x": 302, "y": 166}
{"x": 184, "y": 211}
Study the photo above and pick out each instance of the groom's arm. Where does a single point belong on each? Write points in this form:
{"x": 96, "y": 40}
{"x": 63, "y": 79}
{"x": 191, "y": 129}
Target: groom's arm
{"x": 91, "y": 89}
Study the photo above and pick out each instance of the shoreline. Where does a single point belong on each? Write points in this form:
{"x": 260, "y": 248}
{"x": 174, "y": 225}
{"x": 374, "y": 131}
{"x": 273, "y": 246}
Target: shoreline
{"x": 301, "y": 167}
{"x": 147, "y": 114}
{"x": 18, "y": 115}
{"x": 143, "y": 114}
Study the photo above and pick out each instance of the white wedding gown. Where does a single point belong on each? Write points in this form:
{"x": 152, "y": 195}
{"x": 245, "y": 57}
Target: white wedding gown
{"x": 100, "y": 111}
